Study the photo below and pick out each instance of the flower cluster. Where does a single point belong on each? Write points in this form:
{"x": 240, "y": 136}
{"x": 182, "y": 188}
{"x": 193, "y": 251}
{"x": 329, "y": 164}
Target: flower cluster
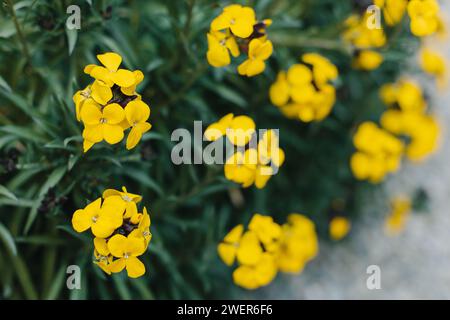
{"x": 397, "y": 218}
{"x": 237, "y": 31}
{"x": 407, "y": 118}
{"x": 121, "y": 232}
{"x": 378, "y": 153}
{"x": 424, "y": 15}
{"x": 267, "y": 247}
{"x": 365, "y": 39}
{"x": 304, "y": 92}
{"x": 111, "y": 105}
{"x": 253, "y": 162}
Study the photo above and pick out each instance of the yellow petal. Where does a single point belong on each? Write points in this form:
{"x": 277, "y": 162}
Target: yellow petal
{"x": 101, "y": 246}
{"x": 81, "y": 220}
{"x": 227, "y": 252}
{"x": 93, "y": 134}
{"x": 118, "y": 265}
{"x": 112, "y": 133}
{"x": 134, "y": 137}
{"x": 113, "y": 113}
{"x": 235, "y": 234}
{"x": 117, "y": 245}
{"x": 87, "y": 145}
{"x": 101, "y": 229}
{"x": 101, "y": 93}
{"x": 135, "y": 246}
{"x": 135, "y": 268}
{"x": 123, "y": 78}
{"x": 137, "y": 111}
{"x": 110, "y": 60}
{"x": 91, "y": 114}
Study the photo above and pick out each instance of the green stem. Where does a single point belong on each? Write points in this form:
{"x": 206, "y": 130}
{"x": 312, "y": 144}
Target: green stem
{"x": 22, "y": 39}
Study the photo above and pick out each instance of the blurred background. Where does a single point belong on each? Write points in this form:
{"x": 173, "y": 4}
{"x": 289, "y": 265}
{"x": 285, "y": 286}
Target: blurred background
{"x": 45, "y": 177}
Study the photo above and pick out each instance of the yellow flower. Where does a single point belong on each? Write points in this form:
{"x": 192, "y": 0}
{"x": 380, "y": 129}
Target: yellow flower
{"x": 102, "y": 124}
{"x": 127, "y": 249}
{"x": 227, "y": 250}
{"x": 265, "y": 228}
{"x": 110, "y": 74}
{"x": 239, "y": 130}
{"x": 393, "y": 10}
{"x": 305, "y": 92}
{"x": 220, "y": 45}
{"x": 131, "y": 90}
{"x": 101, "y": 219}
{"x": 433, "y": 63}
{"x": 240, "y": 168}
{"x": 378, "y": 153}
{"x": 424, "y": 17}
{"x": 298, "y": 244}
{"x": 137, "y": 112}
{"x": 143, "y": 229}
{"x": 256, "y": 276}
{"x": 259, "y": 51}
{"x": 400, "y": 211}
{"x": 368, "y": 60}
{"x": 360, "y": 35}
{"x": 238, "y": 19}
{"x": 130, "y": 200}
{"x": 339, "y": 227}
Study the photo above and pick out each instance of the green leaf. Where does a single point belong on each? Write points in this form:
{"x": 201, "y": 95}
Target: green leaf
{"x": 23, "y": 133}
{"x": 4, "y": 84}
{"x": 8, "y": 239}
{"x": 8, "y": 194}
{"x": 144, "y": 178}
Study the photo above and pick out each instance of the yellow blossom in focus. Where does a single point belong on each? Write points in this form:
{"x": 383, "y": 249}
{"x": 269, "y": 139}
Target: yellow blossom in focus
{"x": 238, "y": 19}
{"x": 339, "y": 227}
{"x": 127, "y": 249}
{"x": 137, "y": 112}
{"x": 397, "y": 218}
{"x": 121, "y": 233}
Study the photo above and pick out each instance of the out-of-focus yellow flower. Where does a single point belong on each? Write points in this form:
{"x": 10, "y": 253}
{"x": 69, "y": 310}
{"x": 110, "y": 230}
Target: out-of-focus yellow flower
{"x": 239, "y": 129}
{"x": 407, "y": 117}
{"x": 240, "y": 169}
{"x": 228, "y": 248}
{"x": 434, "y": 64}
{"x": 393, "y": 10}
{"x": 237, "y": 31}
{"x": 258, "y": 52}
{"x": 424, "y": 17}
{"x": 368, "y": 60}
{"x": 121, "y": 233}
{"x": 220, "y": 45}
{"x": 298, "y": 244}
{"x": 365, "y": 39}
{"x": 304, "y": 92}
{"x": 268, "y": 247}
{"x": 339, "y": 227}
{"x": 397, "y": 218}
{"x": 378, "y": 153}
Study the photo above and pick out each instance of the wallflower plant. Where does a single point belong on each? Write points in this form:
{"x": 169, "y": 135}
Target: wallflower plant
{"x": 111, "y": 105}
{"x": 122, "y": 234}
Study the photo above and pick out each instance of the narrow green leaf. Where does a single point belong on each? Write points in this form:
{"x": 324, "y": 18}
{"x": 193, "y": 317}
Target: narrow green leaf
{"x": 8, "y": 194}
{"x": 8, "y": 239}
